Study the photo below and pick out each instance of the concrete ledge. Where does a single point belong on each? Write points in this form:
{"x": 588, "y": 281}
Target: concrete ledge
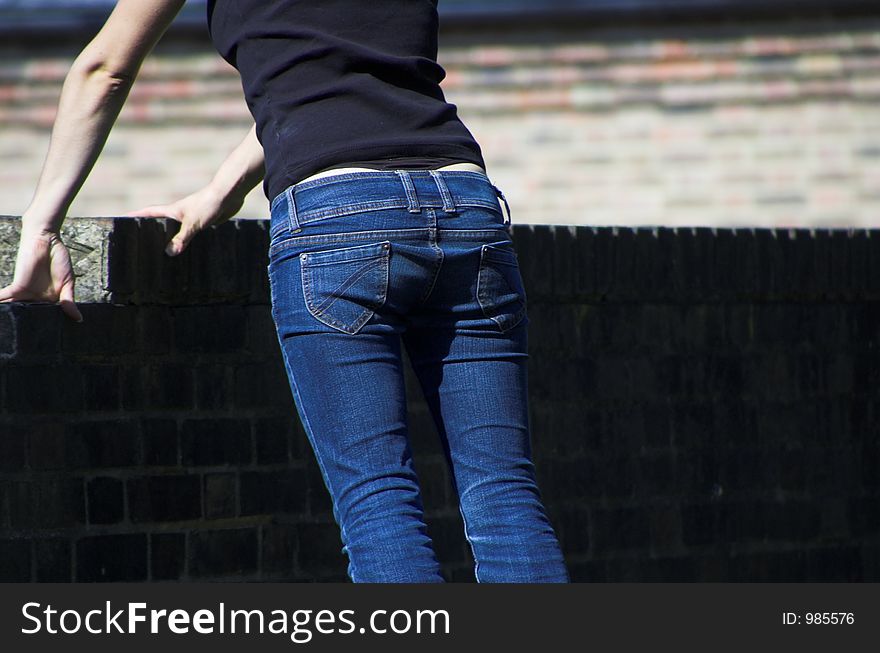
{"x": 88, "y": 242}
{"x": 122, "y": 261}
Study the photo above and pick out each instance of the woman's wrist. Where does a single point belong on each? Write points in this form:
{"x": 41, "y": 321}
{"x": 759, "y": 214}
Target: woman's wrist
{"x": 240, "y": 172}
{"x": 36, "y": 226}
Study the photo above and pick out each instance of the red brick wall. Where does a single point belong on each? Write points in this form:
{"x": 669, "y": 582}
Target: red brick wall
{"x": 737, "y": 123}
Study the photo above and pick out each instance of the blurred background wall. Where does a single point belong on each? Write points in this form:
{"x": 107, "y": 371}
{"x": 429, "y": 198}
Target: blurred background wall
{"x": 635, "y": 112}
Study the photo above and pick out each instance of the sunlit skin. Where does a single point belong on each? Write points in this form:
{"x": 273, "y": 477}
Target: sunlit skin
{"x": 94, "y": 92}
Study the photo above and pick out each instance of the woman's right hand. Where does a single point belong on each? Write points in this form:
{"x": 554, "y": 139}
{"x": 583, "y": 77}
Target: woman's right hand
{"x": 43, "y": 272}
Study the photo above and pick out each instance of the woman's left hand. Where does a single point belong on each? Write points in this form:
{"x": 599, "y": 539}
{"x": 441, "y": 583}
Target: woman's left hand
{"x": 219, "y": 200}
{"x": 194, "y": 212}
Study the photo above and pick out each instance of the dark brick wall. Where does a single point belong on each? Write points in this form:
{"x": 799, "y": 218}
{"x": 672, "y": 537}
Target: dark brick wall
{"x": 705, "y": 407}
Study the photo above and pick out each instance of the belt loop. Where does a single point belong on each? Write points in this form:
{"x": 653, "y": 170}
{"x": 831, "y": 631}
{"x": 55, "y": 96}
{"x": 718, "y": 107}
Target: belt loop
{"x": 411, "y": 198}
{"x": 291, "y": 211}
{"x": 506, "y": 205}
{"x": 448, "y": 203}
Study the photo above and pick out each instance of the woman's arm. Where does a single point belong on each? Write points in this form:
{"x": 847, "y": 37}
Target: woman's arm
{"x": 91, "y": 98}
{"x": 219, "y": 200}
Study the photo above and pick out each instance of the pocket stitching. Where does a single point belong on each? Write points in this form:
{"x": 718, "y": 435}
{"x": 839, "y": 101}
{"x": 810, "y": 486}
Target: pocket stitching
{"x": 340, "y": 254}
{"x": 345, "y": 285}
{"x": 482, "y": 297}
{"x": 503, "y": 255}
{"x": 320, "y": 311}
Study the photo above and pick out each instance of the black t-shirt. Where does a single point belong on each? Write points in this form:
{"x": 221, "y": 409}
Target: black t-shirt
{"x": 338, "y": 82}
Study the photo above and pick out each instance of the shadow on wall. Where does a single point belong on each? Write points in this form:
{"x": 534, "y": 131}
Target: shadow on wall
{"x": 705, "y": 406}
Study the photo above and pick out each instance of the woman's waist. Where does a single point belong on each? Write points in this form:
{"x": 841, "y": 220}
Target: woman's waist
{"x": 300, "y": 158}
{"x": 471, "y": 167}
{"x": 345, "y": 191}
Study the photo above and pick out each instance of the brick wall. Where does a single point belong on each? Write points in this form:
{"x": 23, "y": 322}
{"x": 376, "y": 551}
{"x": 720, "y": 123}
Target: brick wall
{"x": 736, "y": 122}
{"x": 705, "y": 406}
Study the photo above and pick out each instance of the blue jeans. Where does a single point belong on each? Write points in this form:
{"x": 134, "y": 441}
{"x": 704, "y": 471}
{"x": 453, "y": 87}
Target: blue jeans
{"x": 361, "y": 264}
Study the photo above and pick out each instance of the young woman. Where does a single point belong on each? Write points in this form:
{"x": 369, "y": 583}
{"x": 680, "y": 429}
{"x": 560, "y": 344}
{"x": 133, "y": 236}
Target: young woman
{"x": 385, "y": 233}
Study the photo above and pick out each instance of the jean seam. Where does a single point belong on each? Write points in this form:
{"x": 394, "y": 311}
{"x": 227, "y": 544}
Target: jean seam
{"x": 321, "y": 239}
{"x": 292, "y": 223}
{"x": 470, "y": 542}
{"x": 307, "y": 425}
{"x": 309, "y": 217}
{"x": 438, "y": 265}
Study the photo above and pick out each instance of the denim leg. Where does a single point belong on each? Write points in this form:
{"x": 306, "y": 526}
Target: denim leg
{"x": 349, "y": 392}
{"x": 474, "y": 377}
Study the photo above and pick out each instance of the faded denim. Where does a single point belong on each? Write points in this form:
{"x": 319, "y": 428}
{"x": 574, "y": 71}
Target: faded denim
{"x": 361, "y": 265}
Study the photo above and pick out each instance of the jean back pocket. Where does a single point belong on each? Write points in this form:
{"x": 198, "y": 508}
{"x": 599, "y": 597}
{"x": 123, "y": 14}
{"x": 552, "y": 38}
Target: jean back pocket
{"x": 500, "y": 289}
{"x": 344, "y": 287}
